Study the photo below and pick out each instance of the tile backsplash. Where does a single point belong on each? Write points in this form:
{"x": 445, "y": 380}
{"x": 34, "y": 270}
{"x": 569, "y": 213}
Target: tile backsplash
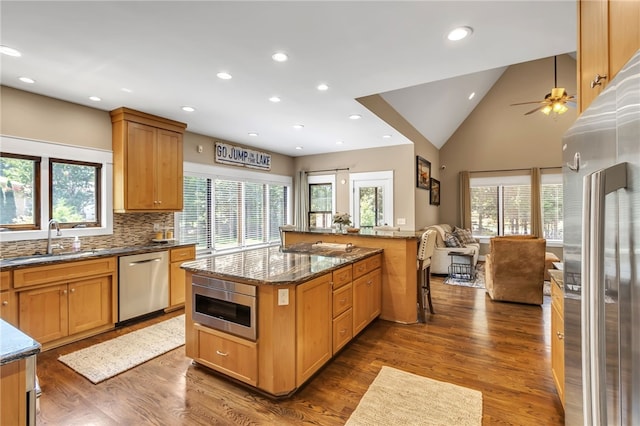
{"x": 129, "y": 229}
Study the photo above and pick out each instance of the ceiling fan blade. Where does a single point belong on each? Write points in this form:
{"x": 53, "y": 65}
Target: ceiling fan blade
{"x": 534, "y": 110}
{"x": 526, "y": 103}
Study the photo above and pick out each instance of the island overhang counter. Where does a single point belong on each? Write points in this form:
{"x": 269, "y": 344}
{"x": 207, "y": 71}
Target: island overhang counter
{"x": 310, "y": 301}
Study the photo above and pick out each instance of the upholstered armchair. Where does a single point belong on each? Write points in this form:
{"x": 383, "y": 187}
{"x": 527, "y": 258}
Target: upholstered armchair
{"x": 514, "y": 269}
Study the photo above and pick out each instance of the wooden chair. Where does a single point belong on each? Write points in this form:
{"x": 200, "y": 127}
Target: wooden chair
{"x": 425, "y": 251}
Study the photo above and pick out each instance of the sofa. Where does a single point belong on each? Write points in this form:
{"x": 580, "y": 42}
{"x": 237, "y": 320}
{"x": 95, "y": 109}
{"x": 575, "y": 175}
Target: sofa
{"x": 441, "y": 260}
{"x": 514, "y": 269}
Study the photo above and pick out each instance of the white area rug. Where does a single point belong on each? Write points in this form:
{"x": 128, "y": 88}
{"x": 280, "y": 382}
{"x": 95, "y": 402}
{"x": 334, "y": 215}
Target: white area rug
{"x": 107, "y": 359}
{"x": 399, "y": 398}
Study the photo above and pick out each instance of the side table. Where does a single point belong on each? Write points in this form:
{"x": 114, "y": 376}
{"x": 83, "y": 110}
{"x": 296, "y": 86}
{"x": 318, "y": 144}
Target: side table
{"x": 462, "y": 266}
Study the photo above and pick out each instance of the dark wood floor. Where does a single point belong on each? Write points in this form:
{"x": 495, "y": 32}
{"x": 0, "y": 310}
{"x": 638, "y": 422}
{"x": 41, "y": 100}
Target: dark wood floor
{"x": 500, "y": 349}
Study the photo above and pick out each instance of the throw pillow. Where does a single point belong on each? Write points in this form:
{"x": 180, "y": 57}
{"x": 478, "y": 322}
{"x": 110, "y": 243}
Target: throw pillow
{"x": 450, "y": 240}
{"x": 464, "y": 235}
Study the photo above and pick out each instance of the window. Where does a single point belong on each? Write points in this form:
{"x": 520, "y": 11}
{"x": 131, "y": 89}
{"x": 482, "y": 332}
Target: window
{"x": 231, "y": 212}
{"x": 552, "y": 208}
{"x": 321, "y": 201}
{"x": 19, "y": 182}
{"x": 75, "y": 192}
{"x": 501, "y": 205}
{"x": 372, "y": 199}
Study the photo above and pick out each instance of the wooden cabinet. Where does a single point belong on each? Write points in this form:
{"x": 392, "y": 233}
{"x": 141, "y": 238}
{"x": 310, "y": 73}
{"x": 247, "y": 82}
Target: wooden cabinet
{"x": 147, "y": 162}
{"x": 342, "y": 305}
{"x": 53, "y": 312}
{"x": 367, "y": 292}
{"x": 8, "y": 302}
{"x": 314, "y": 316}
{"x": 63, "y": 302}
{"x": 13, "y": 401}
{"x": 608, "y": 35}
{"x": 177, "y": 256}
{"x": 557, "y": 337}
{"x": 233, "y": 356}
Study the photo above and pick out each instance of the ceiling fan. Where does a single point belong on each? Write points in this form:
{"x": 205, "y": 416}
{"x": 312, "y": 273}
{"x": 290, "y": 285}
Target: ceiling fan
{"x": 556, "y": 101}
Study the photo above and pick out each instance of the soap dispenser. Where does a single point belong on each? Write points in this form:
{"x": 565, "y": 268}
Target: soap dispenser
{"x": 76, "y": 244}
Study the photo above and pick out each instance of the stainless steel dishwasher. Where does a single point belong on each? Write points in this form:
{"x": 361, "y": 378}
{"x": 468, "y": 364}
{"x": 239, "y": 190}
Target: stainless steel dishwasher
{"x": 143, "y": 284}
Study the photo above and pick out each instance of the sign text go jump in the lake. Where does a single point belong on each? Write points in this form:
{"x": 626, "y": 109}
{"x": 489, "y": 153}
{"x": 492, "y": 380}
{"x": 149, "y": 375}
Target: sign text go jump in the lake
{"x": 238, "y": 156}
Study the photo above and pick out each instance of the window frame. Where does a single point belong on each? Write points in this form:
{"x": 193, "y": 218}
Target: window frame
{"x": 36, "y": 192}
{"x": 322, "y": 180}
{"x": 46, "y": 150}
{"x": 98, "y": 190}
{"x": 213, "y": 173}
{"x": 381, "y": 178}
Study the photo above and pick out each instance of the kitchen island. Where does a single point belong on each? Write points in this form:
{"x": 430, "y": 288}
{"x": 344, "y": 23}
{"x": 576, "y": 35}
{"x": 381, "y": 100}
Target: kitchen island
{"x": 399, "y": 277}
{"x": 308, "y": 302}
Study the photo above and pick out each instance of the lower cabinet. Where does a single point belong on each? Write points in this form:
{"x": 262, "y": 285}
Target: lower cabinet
{"x": 54, "y": 312}
{"x": 314, "y": 316}
{"x": 9, "y": 307}
{"x": 13, "y": 393}
{"x": 233, "y": 356}
{"x": 557, "y": 338}
{"x": 367, "y": 299}
{"x": 177, "y": 257}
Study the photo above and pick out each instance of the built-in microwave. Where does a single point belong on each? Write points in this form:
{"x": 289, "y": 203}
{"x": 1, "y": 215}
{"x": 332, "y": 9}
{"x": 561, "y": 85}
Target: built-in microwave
{"x": 225, "y": 306}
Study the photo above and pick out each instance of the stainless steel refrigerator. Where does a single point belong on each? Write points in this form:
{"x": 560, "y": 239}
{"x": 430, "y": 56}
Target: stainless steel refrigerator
{"x": 601, "y": 173}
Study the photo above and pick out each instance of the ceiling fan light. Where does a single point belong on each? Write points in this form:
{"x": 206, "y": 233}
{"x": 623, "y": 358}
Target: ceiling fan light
{"x": 559, "y": 108}
{"x": 546, "y": 110}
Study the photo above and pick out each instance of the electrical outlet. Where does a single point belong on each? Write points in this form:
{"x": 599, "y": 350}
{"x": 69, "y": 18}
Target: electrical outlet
{"x": 402, "y": 221}
{"x": 200, "y": 149}
{"x": 283, "y": 296}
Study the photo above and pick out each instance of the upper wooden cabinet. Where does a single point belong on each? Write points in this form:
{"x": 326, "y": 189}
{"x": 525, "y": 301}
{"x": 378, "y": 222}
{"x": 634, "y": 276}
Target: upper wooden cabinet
{"x": 147, "y": 162}
{"x": 608, "y": 35}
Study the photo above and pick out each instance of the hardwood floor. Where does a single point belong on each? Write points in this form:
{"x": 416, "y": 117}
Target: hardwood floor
{"x": 500, "y": 349}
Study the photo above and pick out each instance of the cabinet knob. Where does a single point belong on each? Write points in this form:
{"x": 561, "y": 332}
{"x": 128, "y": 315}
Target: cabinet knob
{"x": 73, "y": 290}
{"x": 560, "y": 335}
{"x": 64, "y": 291}
{"x": 597, "y": 80}
{"x": 5, "y": 302}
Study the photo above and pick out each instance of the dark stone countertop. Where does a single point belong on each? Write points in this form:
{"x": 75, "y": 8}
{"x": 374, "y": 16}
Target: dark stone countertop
{"x": 48, "y": 259}
{"x": 14, "y": 344}
{"x": 294, "y": 264}
{"x": 363, "y": 232}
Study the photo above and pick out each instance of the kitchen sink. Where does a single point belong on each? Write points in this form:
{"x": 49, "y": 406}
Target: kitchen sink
{"x": 53, "y": 257}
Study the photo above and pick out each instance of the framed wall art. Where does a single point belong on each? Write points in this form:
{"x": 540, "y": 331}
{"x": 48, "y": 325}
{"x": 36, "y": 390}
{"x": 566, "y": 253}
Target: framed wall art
{"x": 434, "y": 197}
{"x": 423, "y": 173}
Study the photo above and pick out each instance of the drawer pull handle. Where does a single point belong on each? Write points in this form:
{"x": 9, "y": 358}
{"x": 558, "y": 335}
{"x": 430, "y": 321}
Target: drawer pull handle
{"x": 222, "y": 353}
{"x": 560, "y": 335}
{"x": 343, "y": 331}
{"x": 343, "y": 300}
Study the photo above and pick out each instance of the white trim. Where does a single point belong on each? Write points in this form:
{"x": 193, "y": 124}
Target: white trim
{"x": 384, "y": 178}
{"x": 46, "y": 150}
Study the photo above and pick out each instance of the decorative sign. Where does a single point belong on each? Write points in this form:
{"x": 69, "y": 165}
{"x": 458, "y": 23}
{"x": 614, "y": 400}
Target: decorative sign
{"x": 238, "y": 156}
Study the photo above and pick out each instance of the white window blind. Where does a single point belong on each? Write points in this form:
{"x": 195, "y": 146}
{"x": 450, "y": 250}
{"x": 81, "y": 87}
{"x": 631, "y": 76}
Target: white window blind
{"x": 552, "y": 207}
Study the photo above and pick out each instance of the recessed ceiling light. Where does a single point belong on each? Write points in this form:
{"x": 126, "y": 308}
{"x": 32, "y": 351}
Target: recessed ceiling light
{"x": 224, "y": 75}
{"x": 188, "y": 108}
{"x": 279, "y": 57}
{"x": 322, "y": 87}
{"x": 95, "y": 98}
{"x": 274, "y": 99}
{"x": 459, "y": 33}
{"x": 124, "y": 89}
{"x": 386, "y": 136}
{"x": 298, "y": 126}
{"x": 355, "y": 116}
{"x": 472, "y": 95}
{"x": 298, "y": 148}
{"x": 339, "y": 142}
{"x": 9, "y": 51}
{"x": 253, "y": 134}
{"x": 27, "y": 80}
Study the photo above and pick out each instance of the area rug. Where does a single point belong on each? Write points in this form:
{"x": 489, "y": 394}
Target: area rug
{"x": 399, "y": 398}
{"x": 107, "y": 359}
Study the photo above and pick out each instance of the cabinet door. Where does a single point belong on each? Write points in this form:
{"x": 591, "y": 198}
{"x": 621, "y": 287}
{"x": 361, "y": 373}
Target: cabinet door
{"x": 557, "y": 351}
{"x": 367, "y": 298}
{"x": 177, "y": 287}
{"x": 140, "y": 180}
{"x": 43, "y": 313}
{"x": 593, "y": 48}
{"x": 13, "y": 403}
{"x": 90, "y": 304}
{"x": 168, "y": 170}
{"x": 313, "y": 326}
{"x": 624, "y": 33}
{"x": 9, "y": 307}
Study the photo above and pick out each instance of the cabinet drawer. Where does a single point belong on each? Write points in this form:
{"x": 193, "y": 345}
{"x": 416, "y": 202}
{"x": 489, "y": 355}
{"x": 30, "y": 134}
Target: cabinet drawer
{"x": 63, "y": 272}
{"x": 342, "y": 299}
{"x": 342, "y": 330}
{"x": 232, "y": 356}
{"x": 5, "y": 280}
{"x": 557, "y": 298}
{"x": 182, "y": 254}
{"x": 341, "y": 277}
{"x": 366, "y": 265}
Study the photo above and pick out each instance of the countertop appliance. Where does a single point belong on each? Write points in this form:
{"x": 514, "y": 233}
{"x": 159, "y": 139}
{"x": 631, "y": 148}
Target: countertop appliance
{"x": 143, "y": 284}
{"x": 601, "y": 168}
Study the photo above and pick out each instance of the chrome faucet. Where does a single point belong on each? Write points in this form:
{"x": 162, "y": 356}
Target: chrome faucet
{"x": 50, "y": 247}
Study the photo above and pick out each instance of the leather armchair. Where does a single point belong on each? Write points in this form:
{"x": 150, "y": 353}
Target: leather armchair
{"x": 514, "y": 269}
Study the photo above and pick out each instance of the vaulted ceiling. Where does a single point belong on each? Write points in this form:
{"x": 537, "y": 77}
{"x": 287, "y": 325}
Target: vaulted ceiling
{"x": 160, "y": 56}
